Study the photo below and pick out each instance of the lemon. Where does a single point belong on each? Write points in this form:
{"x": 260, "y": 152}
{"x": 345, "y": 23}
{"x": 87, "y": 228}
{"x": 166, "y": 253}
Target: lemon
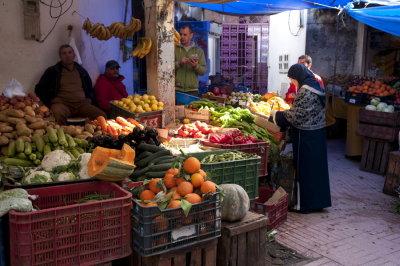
{"x": 161, "y": 104}
{"x": 154, "y": 107}
{"x": 152, "y": 97}
{"x": 139, "y": 109}
{"x": 148, "y": 109}
{"x": 132, "y": 108}
{"x": 136, "y": 100}
{"x": 154, "y": 102}
{"x": 146, "y": 105}
{"x": 141, "y": 103}
{"x": 160, "y": 108}
{"x": 121, "y": 104}
{"x": 145, "y": 97}
{"x": 115, "y": 102}
{"x": 130, "y": 97}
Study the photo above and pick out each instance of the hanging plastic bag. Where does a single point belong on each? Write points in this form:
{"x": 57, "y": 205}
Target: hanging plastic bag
{"x": 14, "y": 88}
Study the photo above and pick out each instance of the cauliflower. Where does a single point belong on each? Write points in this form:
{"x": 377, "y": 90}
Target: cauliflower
{"x": 83, "y": 161}
{"x": 18, "y": 204}
{"x": 66, "y": 176}
{"x": 37, "y": 177}
{"x": 55, "y": 159}
{"x": 14, "y": 193}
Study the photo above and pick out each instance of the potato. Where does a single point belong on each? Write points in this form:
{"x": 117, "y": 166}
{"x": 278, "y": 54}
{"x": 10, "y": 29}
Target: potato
{"x": 87, "y": 134}
{"x": 98, "y": 132}
{"x": 40, "y": 132}
{"x": 14, "y": 120}
{"x": 73, "y": 130}
{"x": 4, "y": 124}
{"x": 57, "y": 126}
{"x": 89, "y": 128}
{"x": 25, "y": 138}
{"x": 32, "y": 119}
{"x": 3, "y": 140}
{"x": 81, "y": 136}
{"x": 3, "y": 117}
{"x": 9, "y": 135}
{"x": 23, "y": 130}
{"x": 38, "y": 125}
{"x": 14, "y": 113}
{"x": 4, "y": 150}
{"x": 5, "y": 129}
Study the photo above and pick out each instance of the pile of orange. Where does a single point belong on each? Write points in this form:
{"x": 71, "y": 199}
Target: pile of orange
{"x": 374, "y": 88}
{"x": 177, "y": 187}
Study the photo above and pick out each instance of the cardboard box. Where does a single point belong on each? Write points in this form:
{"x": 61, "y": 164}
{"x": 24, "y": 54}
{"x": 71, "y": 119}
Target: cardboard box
{"x": 201, "y": 115}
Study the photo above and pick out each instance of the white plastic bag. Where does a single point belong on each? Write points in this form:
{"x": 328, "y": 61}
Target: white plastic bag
{"x": 14, "y": 88}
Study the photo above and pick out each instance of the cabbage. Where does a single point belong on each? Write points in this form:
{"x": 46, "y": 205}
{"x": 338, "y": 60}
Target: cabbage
{"x": 370, "y": 107}
{"x": 391, "y": 108}
{"x": 375, "y": 101}
{"x": 381, "y": 106}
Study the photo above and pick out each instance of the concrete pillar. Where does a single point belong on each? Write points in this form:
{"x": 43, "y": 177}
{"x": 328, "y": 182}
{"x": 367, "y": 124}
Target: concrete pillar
{"x": 160, "y": 62}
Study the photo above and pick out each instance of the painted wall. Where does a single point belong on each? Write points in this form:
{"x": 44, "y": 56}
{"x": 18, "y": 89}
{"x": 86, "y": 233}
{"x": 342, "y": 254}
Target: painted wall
{"x": 26, "y": 60}
{"x": 286, "y": 37}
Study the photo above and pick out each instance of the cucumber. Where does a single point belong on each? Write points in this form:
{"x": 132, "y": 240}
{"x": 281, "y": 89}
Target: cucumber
{"x": 32, "y": 157}
{"x": 170, "y": 161}
{"x": 27, "y": 148}
{"x": 143, "y": 155}
{"x": 46, "y": 139}
{"x": 75, "y": 152}
{"x": 21, "y": 156}
{"x": 70, "y": 140}
{"x": 52, "y": 135}
{"x": 61, "y": 138}
{"x": 46, "y": 149}
{"x": 139, "y": 172}
{"x": 80, "y": 150}
{"x": 19, "y": 145}
{"x": 39, "y": 155}
{"x": 158, "y": 174}
{"x": 34, "y": 148}
{"x": 18, "y": 162}
{"x": 151, "y": 148}
{"x": 37, "y": 162}
{"x": 150, "y": 158}
{"x": 162, "y": 158}
{"x": 11, "y": 149}
{"x": 160, "y": 167}
{"x": 38, "y": 140}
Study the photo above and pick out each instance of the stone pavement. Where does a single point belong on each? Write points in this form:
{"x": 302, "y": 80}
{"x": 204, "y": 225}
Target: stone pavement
{"x": 360, "y": 228}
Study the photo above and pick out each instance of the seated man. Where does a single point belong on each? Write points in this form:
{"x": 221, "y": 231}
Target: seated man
{"x": 66, "y": 88}
{"x": 109, "y": 86}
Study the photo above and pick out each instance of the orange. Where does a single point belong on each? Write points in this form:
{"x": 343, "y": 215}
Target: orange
{"x": 179, "y": 180}
{"x": 173, "y": 189}
{"x": 202, "y": 173}
{"x": 208, "y": 187}
{"x": 175, "y": 195}
{"x": 191, "y": 165}
{"x": 147, "y": 195}
{"x": 173, "y": 171}
{"x": 174, "y": 204}
{"x": 197, "y": 179}
{"x": 154, "y": 185}
{"x": 193, "y": 198}
{"x": 169, "y": 180}
{"x": 185, "y": 188}
{"x": 144, "y": 204}
{"x": 160, "y": 224}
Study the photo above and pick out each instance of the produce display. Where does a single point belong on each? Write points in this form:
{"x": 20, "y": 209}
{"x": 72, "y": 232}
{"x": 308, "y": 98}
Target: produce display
{"x": 197, "y": 130}
{"x": 376, "y": 88}
{"x": 240, "y": 98}
{"x": 273, "y": 103}
{"x": 236, "y": 203}
{"x": 116, "y": 29}
{"x": 29, "y": 103}
{"x": 377, "y": 105}
{"x": 143, "y": 48}
{"x": 117, "y": 126}
{"x": 227, "y": 157}
{"x": 140, "y": 103}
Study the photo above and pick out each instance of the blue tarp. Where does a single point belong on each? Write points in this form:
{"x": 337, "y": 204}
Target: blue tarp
{"x": 385, "y": 18}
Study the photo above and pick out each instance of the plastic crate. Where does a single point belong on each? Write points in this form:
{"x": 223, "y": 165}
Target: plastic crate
{"x": 356, "y": 97}
{"x": 183, "y": 98}
{"x": 277, "y": 213}
{"x": 241, "y": 172}
{"x": 156, "y": 231}
{"x": 76, "y": 234}
{"x": 150, "y": 119}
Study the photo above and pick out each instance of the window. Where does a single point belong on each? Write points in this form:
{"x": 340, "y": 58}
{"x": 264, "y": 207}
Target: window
{"x": 283, "y": 63}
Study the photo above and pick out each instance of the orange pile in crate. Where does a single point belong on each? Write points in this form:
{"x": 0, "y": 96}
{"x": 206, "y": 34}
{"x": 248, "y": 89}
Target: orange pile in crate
{"x": 374, "y": 88}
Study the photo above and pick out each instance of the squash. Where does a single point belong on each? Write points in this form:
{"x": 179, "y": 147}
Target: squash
{"x": 111, "y": 164}
{"x": 235, "y": 204}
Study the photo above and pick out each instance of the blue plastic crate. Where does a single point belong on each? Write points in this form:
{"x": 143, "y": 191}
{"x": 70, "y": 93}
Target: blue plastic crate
{"x": 183, "y": 98}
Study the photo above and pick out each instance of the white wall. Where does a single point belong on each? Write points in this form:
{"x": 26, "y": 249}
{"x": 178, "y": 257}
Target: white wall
{"x": 26, "y": 60}
{"x": 282, "y": 41}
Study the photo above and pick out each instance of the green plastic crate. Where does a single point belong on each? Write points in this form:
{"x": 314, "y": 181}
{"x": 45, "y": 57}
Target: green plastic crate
{"x": 241, "y": 172}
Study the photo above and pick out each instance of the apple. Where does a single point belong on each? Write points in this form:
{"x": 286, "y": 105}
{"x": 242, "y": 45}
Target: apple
{"x": 216, "y": 91}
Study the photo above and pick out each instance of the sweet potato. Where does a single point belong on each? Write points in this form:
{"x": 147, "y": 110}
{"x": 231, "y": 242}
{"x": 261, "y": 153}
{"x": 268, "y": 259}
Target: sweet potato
{"x": 14, "y": 120}
{"x": 3, "y": 140}
{"x": 38, "y": 125}
{"x": 14, "y": 113}
{"x": 23, "y": 130}
{"x": 29, "y": 111}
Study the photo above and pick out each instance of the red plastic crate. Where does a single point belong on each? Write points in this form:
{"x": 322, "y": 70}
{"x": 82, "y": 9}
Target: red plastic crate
{"x": 64, "y": 233}
{"x": 277, "y": 213}
{"x": 261, "y": 148}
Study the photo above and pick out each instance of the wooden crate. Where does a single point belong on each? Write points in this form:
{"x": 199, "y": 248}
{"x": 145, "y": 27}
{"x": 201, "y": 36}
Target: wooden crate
{"x": 392, "y": 180}
{"x": 243, "y": 242}
{"x": 204, "y": 254}
{"x": 378, "y": 132}
{"x": 380, "y": 118}
{"x": 375, "y": 155}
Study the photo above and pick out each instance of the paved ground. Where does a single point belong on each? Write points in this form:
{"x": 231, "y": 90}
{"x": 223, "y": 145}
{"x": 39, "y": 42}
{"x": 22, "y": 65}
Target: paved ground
{"x": 361, "y": 227}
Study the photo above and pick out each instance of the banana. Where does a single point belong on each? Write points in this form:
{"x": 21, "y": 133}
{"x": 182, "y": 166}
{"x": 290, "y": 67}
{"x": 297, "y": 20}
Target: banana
{"x": 177, "y": 35}
{"x": 95, "y": 30}
{"x": 138, "y": 48}
{"x": 103, "y": 33}
{"x": 113, "y": 27}
{"x": 87, "y": 25}
{"x": 138, "y": 25}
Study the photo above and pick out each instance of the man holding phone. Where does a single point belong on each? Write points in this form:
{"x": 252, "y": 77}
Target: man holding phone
{"x": 190, "y": 63}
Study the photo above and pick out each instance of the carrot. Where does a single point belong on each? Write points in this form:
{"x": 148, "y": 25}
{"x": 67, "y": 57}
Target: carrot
{"x": 96, "y": 122}
{"x": 103, "y": 123}
{"x": 114, "y": 125}
{"x": 112, "y": 131}
{"x": 136, "y": 123}
{"x": 122, "y": 121}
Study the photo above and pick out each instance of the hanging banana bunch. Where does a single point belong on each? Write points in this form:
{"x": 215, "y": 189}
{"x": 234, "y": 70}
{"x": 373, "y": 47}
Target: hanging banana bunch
{"x": 177, "y": 37}
{"x": 143, "y": 48}
{"x": 116, "y": 29}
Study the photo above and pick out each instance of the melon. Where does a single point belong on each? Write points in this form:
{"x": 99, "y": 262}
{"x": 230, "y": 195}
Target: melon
{"x": 235, "y": 204}
{"x": 111, "y": 164}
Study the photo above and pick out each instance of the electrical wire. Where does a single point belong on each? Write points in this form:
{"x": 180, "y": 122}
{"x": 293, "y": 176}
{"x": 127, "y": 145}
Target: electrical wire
{"x": 60, "y": 6}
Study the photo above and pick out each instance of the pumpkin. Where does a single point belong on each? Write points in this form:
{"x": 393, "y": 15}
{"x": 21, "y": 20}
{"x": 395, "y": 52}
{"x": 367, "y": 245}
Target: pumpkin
{"x": 235, "y": 204}
{"x": 111, "y": 164}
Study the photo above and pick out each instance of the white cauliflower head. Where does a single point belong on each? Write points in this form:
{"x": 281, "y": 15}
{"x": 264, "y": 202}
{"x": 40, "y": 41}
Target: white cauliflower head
{"x": 66, "y": 176}
{"x": 37, "y": 177}
{"x": 55, "y": 159}
{"x": 83, "y": 161}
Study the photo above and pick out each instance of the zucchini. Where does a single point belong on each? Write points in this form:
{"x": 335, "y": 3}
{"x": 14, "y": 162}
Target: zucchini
{"x": 160, "y": 167}
{"x": 21, "y": 156}
{"x": 151, "y": 148}
{"x": 170, "y": 161}
{"x": 27, "y": 148}
{"x": 139, "y": 172}
{"x": 162, "y": 158}
{"x": 19, "y": 145}
{"x": 143, "y": 155}
{"x": 158, "y": 174}
{"x": 38, "y": 140}
{"x": 46, "y": 149}
{"x": 39, "y": 155}
{"x": 70, "y": 140}
{"x": 150, "y": 158}
{"x": 52, "y": 135}
{"x": 34, "y": 148}
{"x": 46, "y": 139}
{"x": 32, "y": 157}
{"x": 75, "y": 152}
{"x": 61, "y": 138}
{"x": 11, "y": 149}
{"x": 18, "y": 162}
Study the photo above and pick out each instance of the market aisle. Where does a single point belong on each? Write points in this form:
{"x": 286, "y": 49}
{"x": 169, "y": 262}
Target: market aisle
{"x": 361, "y": 227}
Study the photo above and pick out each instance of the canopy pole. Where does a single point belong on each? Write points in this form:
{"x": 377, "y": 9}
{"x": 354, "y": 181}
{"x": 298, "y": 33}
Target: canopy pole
{"x": 336, "y": 44}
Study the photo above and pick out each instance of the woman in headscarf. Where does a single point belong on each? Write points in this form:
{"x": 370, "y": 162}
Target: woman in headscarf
{"x": 306, "y": 118}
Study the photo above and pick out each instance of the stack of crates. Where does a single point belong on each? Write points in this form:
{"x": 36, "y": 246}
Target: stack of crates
{"x": 244, "y": 52}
